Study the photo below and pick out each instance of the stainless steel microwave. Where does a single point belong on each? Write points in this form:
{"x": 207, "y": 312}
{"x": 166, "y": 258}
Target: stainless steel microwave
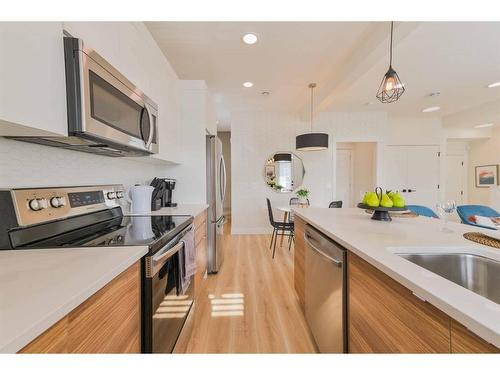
{"x": 107, "y": 114}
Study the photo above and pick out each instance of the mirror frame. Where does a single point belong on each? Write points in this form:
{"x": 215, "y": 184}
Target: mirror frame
{"x": 293, "y": 156}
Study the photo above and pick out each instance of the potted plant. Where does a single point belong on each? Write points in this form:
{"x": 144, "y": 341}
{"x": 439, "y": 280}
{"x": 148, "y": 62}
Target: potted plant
{"x": 302, "y": 194}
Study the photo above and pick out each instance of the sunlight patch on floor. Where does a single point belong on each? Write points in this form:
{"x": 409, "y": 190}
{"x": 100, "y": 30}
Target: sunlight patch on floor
{"x": 227, "y": 304}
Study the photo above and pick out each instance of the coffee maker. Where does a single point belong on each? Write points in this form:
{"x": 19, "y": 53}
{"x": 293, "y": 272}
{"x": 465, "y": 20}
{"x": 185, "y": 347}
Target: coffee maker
{"x": 162, "y": 194}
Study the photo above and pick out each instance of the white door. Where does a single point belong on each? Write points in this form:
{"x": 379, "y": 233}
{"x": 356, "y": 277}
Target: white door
{"x": 414, "y": 171}
{"x": 396, "y": 168}
{"x": 455, "y": 178}
{"x": 423, "y": 176}
{"x": 344, "y": 177}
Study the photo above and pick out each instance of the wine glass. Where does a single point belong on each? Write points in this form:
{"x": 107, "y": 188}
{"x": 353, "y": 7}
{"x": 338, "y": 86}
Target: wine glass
{"x": 445, "y": 209}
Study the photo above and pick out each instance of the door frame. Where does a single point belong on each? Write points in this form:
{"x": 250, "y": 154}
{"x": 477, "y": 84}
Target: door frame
{"x": 351, "y": 169}
{"x": 465, "y": 174}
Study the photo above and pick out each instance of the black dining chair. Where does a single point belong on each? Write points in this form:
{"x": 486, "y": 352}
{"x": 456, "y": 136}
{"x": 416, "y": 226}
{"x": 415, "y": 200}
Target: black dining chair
{"x": 335, "y": 204}
{"x": 285, "y": 228}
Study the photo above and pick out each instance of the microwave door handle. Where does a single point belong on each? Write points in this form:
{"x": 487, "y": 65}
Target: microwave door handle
{"x": 151, "y": 127}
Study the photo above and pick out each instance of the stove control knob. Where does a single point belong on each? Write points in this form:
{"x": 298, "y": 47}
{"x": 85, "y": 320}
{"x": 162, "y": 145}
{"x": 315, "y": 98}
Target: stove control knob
{"x": 33, "y": 205}
{"x": 43, "y": 203}
{"x": 57, "y": 202}
{"x": 119, "y": 194}
{"x": 111, "y": 195}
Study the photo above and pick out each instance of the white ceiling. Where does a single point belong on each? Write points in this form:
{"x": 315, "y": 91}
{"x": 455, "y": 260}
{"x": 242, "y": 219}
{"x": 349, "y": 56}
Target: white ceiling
{"x": 346, "y": 59}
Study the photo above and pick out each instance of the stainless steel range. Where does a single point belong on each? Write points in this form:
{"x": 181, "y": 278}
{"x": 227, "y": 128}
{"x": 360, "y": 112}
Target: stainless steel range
{"x": 91, "y": 216}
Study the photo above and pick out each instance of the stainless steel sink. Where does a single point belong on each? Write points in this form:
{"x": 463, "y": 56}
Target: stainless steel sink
{"x": 479, "y": 274}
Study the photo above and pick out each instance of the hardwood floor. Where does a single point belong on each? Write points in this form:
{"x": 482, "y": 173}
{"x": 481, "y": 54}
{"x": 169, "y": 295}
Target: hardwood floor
{"x": 250, "y": 306}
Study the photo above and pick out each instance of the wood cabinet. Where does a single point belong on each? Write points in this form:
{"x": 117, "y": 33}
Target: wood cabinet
{"x": 200, "y": 240}
{"x": 385, "y": 317}
{"x": 299, "y": 260}
{"x": 464, "y": 341}
{"x": 33, "y": 95}
{"x": 107, "y": 322}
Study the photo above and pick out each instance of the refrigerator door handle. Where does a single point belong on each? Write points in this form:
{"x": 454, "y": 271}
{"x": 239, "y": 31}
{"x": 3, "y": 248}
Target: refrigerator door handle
{"x": 222, "y": 179}
{"x": 223, "y": 162}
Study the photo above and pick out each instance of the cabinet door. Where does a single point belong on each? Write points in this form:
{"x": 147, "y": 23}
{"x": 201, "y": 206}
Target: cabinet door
{"x": 108, "y": 322}
{"x": 464, "y": 341}
{"x": 32, "y": 80}
{"x": 299, "y": 260}
{"x": 200, "y": 240}
{"x": 385, "y": 317}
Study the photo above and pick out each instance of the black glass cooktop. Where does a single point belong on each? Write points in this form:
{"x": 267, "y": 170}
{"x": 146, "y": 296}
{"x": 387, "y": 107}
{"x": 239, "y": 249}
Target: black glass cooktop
{"x": 153, "y": 231}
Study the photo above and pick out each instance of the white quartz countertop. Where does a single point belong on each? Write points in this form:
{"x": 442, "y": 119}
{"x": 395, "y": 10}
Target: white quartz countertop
{"x": 39, "y": 287}
{"x": 377, "y": 242}
{"x": 181, "y": 209}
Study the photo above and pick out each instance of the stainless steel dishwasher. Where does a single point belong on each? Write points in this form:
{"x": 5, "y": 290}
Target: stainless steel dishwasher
{"x": 326, "y": 291}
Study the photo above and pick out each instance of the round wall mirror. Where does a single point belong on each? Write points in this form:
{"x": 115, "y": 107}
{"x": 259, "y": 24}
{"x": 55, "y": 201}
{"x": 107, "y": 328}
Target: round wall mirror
{"x": 284, "y": 172}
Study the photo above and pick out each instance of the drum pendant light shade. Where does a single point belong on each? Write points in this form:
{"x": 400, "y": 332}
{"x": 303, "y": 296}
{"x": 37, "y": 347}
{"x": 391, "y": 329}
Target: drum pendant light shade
{"x": 282, "y": 157}
{"x": 311, "y": 141}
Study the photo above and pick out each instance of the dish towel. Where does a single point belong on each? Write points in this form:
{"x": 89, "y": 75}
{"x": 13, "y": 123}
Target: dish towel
{"x": 187, "y": 260}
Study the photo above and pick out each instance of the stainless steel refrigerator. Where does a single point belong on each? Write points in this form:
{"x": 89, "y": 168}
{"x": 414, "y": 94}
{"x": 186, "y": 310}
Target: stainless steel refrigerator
{"x": 216, "y": 191}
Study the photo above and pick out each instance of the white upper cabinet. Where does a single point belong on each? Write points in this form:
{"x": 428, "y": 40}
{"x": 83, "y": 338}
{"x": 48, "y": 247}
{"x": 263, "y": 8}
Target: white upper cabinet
{"x": 32, "y": 81}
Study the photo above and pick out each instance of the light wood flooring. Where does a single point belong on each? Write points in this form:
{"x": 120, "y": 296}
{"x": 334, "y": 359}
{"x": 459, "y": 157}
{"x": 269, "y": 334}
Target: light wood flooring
{"x": 250, "y": 306}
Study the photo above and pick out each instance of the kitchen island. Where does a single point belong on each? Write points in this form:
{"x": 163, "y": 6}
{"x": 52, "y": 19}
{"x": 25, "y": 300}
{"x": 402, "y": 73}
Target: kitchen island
{"x": 392, "y": 302}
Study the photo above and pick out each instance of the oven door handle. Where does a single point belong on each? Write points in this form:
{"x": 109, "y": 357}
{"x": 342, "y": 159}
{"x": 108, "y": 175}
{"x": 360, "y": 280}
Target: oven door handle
{"x": 167, "y": 254}
{"x": 155, "y": 263}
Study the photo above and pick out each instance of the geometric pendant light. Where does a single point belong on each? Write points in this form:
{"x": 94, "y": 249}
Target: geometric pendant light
{"x": 391, "y": 88}
{"x": 311, "y": 141}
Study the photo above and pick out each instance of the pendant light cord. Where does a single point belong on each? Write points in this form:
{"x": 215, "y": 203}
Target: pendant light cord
{"x": 312, "y": 106}
{"x": 390, "y": 53}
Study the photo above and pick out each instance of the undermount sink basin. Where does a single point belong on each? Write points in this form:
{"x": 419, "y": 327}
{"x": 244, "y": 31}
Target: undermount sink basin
{"x": 479, "y": 274}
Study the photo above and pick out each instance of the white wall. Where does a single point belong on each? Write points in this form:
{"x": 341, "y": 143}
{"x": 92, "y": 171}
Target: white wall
{"x": 191, "y": 173}
{"x": 482, "y": 152}
{"x": 257, "y": 135}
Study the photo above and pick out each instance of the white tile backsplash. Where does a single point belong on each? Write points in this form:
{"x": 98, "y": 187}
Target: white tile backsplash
{"x": 30, "y": 165}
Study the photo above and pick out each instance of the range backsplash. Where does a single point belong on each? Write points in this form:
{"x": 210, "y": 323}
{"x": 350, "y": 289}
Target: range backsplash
{"x": 30, "y": 165}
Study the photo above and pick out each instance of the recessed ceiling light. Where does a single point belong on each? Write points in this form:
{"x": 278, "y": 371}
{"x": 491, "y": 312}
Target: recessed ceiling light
{"x": 249, "y": 38}
{"x": 265, "y": 93}
{"x": 484, "y": 125}
{"x": 431, "y": 109}
{"x": 494, "y": 84}
{"x": 247, "y": 84}
{"x": 435, "y": 93}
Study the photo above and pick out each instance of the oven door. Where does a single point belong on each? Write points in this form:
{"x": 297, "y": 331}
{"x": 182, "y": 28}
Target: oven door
{"x": 111, "y": 107}
{"x": 164, "y": 312}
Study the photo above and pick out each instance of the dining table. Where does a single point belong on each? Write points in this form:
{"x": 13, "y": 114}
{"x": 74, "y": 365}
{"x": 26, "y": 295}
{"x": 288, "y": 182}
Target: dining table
{"x": 287, "y": 210}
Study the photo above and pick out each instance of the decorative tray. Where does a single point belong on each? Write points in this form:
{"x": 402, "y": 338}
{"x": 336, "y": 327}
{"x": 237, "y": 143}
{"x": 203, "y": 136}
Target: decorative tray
{"x": 382, "y": 213}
